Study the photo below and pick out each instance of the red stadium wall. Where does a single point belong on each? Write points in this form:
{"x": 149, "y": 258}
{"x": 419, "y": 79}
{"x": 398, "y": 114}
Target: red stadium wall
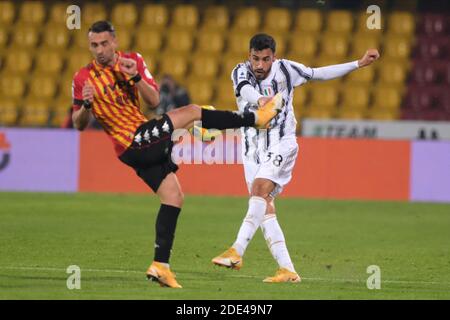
{"x": 326, "y": 168}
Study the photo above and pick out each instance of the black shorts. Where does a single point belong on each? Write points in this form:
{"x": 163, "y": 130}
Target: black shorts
{"x": 150, "y": 153}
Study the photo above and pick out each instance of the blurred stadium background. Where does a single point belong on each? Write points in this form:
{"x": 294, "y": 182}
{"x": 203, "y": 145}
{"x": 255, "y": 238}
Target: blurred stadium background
{"x": 200, "y": 41}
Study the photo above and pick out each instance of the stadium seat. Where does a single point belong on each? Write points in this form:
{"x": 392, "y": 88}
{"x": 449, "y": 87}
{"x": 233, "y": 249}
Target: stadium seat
{"x": 350, "y": 114}
{"x": 58, "y": 117}
{"x": 179, "y": 40}
{"x": 339, "y": 21}
{"x": 247, "y": 20}
{"x": 229, "y": 62}
{"x": 385, "y": 97}
{"x": 225, "y": 98}
{"x": 386, "y": 104}
{"x": 381, "y": 114}
{"x": 124, "y": 38}
{"x": 4, "y": 36}
{"x": 318, "y": 113}
{"x": 200, "y": 91}
{"x": 92, "y": 12}
{"x": 58, "y": 13}
{"x": 12, "y": 86}
{"x": 215, "y": 18}
{"x": 7, "y": 13}
{"x": 124, "y": 15}
{"x": 148, "y": 40}
{"x": 432, "y": 47}
{"x": 360, "y": 43}
{"x": 239, "y": 43}
{"x": 185, "y": 16}
{"x": 446, "y": 73}
{"x": 323, "y": 96}
{"x": 55, "y": 37}
{"x": 401, "y": 24}
{"x": 9, "y": 111}
{"x": 422, "y": 98}
{"x": 334, "y": 45}
{"x": 77, "y": 59}
{"x": 427, "y": 73}
{"x": 154, "y": 16}
{"x": 303, "y": 45}
{"x": 175, "y": 65}
{"x": 278, "y": 20}
{"x": 204, "y": 66}
{"x": 211, "y": 42}
{"x": 24, "y": 37}
{"x": 391, "y": 73}
{"x": 363, "y": 76}
{"x": 355, "y": 97}
{"x": 79, "y": 41}
{"x": 48, "y": 62}
{"x": 308, "y": 20}
{"x": 35, "y": 112}
{"x": 299, "y": 100}
{"x": 18, "y": 62}
{"x": 396, "y": 47}
{"x": 433, "y": 24}
{"x": 405, "y": 5}
{"x": 65, "y": 86}
{"x": 32, "y": 13}
{"x": 42, "y": 86}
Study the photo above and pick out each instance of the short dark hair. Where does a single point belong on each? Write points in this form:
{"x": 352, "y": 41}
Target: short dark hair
{"x": 262, "y": 41}
{"x": 102, "y": 26}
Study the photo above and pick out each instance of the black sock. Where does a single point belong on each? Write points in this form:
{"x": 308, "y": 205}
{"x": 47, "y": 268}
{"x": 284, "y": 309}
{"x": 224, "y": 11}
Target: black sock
{"x": 220, "y": 119}
{"x": 166, "y": 223}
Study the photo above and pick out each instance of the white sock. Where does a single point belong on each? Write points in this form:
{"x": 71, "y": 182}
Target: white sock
{"x": 252, "y": 221}
{"x": 275, "y": 241}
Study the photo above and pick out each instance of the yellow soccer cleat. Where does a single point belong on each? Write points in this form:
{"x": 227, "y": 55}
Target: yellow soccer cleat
{"x": 230, "y": 259}
{"x": 268, "y": 111}
{"x": 283, "y": 275}
{"x": 160, "y": 273}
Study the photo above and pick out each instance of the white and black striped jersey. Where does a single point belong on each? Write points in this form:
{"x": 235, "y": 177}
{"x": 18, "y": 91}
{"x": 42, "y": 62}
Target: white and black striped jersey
{"x": 283, "y": 77}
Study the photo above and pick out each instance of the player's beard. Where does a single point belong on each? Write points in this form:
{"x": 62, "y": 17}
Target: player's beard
{"x": 260, "y": 76}
{"x": 103, "y": 60}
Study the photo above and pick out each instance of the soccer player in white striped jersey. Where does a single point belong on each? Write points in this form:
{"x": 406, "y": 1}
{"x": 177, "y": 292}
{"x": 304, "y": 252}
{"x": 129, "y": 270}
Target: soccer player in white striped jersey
{"x": 269, "y": 155}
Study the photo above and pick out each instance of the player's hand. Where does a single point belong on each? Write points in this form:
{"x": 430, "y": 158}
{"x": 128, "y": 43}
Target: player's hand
{"x": 370, "y": 56}
{"x": 88, "y": 92}
{"x": 128, "y": 66}
{"x": 263, "y": 100}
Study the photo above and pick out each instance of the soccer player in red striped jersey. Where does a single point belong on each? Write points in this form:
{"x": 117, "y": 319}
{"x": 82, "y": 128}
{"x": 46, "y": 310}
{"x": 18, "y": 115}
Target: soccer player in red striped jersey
{"x": 109, "y": 88}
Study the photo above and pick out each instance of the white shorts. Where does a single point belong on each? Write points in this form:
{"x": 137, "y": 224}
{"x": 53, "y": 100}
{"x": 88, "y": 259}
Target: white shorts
{"x": 275, "y": 164}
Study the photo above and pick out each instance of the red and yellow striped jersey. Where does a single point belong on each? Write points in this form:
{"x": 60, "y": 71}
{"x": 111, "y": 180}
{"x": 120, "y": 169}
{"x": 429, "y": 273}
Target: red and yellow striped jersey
{"x": 116, "y": 105}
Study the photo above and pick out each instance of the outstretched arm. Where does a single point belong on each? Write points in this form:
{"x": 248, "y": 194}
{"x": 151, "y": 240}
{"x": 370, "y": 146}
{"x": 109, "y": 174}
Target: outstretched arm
{"x": 339, "y": 70}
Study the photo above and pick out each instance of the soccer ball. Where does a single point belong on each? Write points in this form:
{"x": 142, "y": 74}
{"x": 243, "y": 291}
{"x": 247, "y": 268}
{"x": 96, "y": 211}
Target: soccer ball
{"x": 202, "y": 133}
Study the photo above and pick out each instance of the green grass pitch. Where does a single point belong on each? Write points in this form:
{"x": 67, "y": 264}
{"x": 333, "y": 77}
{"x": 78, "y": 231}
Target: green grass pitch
{"x": 110, "y": 237}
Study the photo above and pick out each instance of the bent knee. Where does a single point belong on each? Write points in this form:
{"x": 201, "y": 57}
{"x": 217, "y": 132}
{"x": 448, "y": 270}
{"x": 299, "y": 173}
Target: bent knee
{"x": 261, "y": 191}
{"x": 175, "y": 199}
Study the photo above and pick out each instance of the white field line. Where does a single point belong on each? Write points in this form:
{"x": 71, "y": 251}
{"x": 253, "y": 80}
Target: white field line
{"x": 231, "y": 275}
